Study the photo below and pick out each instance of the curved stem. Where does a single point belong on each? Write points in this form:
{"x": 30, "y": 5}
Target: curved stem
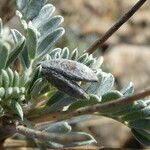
{"x": 60, "y": 138}
{"x": 58, "y": 116}
{"x": 115, "y": 27}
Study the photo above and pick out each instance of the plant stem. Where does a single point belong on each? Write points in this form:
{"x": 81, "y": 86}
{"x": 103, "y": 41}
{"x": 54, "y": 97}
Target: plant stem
{"x": 115, "y": 27}
{"x": 58, "y": 116}
{"x": 56, "y": 137}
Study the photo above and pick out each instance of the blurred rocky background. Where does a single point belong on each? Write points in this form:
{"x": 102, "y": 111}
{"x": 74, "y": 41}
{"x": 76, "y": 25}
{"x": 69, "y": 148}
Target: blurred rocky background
{"x": 127, "y": 54}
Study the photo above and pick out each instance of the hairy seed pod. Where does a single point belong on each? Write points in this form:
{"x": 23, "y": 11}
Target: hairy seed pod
{"x": 65, "y": 85}
{"x": 70, "y": 69}
{"x": 63, "y": 73}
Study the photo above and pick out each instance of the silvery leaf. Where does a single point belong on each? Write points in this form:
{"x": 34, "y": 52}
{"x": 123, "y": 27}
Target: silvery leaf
{"x": 44, "y": 15}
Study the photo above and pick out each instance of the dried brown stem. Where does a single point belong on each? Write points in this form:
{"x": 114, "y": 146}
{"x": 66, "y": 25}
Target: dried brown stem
{"x": 115, "y": 27}
{"x": 91, "y": 109}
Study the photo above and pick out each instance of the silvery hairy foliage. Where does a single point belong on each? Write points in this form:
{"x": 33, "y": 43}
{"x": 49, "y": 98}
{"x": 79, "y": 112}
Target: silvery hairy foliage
{"x": 51, "y": 79}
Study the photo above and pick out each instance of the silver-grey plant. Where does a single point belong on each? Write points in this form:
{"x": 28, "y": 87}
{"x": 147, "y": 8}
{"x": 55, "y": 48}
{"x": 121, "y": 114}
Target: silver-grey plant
{"x": 27, "y": 94}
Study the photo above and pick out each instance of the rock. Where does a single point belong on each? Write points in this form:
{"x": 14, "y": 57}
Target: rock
{"x": 82, "y": 14}
{"x": 105, "y": 131}
{"x": 130, "y": 63}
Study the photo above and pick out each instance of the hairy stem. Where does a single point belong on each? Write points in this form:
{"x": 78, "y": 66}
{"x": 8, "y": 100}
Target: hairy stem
{"x": 58, "y": 116}
{"x": 115, "y": 27}
{"x": 60, "y": 138}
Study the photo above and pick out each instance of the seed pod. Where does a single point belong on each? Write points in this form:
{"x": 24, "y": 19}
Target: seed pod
{"x": 70, "y": 69}
{"x": 65, "y": 85}
{"x": 62, "y": 73}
